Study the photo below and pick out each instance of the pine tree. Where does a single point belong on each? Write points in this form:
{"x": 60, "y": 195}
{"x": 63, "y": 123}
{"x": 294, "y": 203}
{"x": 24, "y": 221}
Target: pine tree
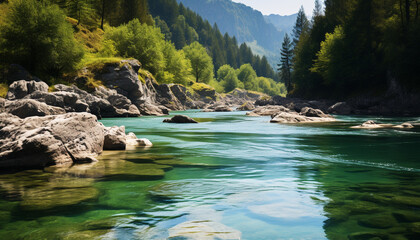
{"x": 300, "y": 25}
{"x": 286, "y": 62}
{"x": 317, "y": 9}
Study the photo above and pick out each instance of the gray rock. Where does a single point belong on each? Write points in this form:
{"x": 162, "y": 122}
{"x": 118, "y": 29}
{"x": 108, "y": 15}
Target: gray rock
{"x": 180, "y": 119}
{"x": 310, "y": 112}
{"x": 28, "y": 107}
{"x": 268, "y": 110}
{"x": 19, "y": 89}
{"x": 247, "y": 106}
{"x": 294, "y": 117}
{"x": 115, "y": 138}
{"x": 49, "y": 140}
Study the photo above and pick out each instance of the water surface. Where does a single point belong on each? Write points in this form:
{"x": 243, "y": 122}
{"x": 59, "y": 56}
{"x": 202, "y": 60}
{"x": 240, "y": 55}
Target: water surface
{"x": 227, "y": 177}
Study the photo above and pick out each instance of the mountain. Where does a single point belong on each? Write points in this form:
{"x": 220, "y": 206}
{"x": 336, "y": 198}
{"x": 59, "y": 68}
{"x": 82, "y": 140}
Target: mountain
{"x": 282, "y": 23}
{"x": 245, "y": 23}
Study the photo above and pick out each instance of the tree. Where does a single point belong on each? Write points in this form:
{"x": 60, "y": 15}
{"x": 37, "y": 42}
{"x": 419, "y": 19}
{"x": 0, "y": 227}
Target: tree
{"x": 248, "y": 76}
{"x": 318, "y": 9}
{"x": 231, "y": 81}
{"x": 285, "y": 65}
{"x": 201, "y": 62}
{"x": 300, "y": 25}
{"x": 177, "y": 66}
{"x": 37, "y": 36}
{"x": 140, "y": 41}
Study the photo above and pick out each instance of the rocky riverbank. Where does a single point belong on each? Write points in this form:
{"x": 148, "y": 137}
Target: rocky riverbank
{"x": 378, "y": 106}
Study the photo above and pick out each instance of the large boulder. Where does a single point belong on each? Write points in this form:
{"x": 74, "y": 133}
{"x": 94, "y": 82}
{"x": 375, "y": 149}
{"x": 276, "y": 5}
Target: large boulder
{"x": 19, "y": 89}
{"x": 115, "y": 138}
{"x": 123, "y": 105}
{"x": 50, "y": 140}
{"x": 67, "y": 100}
{"x": 180, "y": 119}
{"x": 294, "y": 117}
{"x": 310, "y": 112}
{"x": 247, "y": 106}
{"x": 166, "y": 97}
{"x": 28, "y": 107}
{"x": 268, "y": 110}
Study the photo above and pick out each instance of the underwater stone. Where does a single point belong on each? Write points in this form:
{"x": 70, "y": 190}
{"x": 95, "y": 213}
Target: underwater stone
{"x": 382, "y": 221}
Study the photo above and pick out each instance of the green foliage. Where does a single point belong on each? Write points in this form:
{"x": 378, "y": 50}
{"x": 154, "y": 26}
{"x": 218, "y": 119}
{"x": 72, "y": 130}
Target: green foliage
{"x": 37, "y": 36}
{"x": 177, "y": 66}
{"x": 201, "y": 62}
{"x": 108, "y": 49}
{"x": 3, "y": 90}
{"x": 217, "y": 86}
{"x": 140, "y": 41}
{"x": 247, "y": 75}
{"x": 326, "y": 62}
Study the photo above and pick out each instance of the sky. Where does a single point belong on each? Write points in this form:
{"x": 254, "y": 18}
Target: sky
{"x": 281, "y": 7}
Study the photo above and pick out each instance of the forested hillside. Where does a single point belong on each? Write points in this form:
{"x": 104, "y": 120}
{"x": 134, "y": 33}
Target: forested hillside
{"x": 359, "y": 48}
{"x": 55, "y": 39}
{"x": 243, "y": 22}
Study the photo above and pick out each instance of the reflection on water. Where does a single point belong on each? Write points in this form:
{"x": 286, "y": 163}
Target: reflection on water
{"x": 229, "y": 177}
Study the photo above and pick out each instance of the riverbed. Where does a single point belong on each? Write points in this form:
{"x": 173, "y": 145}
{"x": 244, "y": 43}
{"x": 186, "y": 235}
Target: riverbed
{"x": 230, "y": 176}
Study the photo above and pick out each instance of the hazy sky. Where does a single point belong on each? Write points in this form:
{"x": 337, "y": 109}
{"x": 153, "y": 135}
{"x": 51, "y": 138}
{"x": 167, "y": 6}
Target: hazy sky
{"x": 282, "y": 7}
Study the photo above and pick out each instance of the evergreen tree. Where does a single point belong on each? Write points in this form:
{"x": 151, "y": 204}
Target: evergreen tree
{"x": 300, "y": 25}
{"x": 285, "y": 65}
{"x": 318, "y": 9}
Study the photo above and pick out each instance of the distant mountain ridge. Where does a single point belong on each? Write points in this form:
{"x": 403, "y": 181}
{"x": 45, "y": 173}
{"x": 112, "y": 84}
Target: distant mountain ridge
{"x": 245, "y": 23}
{"x": 282, "y": 23}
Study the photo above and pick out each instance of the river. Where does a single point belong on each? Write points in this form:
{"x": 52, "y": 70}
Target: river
{"x": 228, "y": 177}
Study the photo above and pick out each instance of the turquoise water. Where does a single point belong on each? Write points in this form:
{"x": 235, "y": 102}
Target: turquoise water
{"x": 227, "y": 177}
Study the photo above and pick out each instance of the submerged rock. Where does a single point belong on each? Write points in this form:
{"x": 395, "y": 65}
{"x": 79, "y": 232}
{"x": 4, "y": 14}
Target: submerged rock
{"x": 50, "y": 140}
{"x": 405, "y": 126}
{"x": 204, "y": 230}
{"x": 381, "y": 221}
{"x": 180, "y": 119}
{"x": 133, "y": 141}
{"x": 372, "y": 125}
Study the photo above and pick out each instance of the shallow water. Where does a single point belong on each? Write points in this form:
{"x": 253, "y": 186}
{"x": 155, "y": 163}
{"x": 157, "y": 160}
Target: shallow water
{"x": 229, "y": 177}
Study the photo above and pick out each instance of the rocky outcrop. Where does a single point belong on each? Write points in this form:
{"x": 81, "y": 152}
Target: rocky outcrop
{"x": 238, "y": 97}
{"x": 50, "y": 140}
{"x": 19, "y": 89}
{"x": 64, "y": 139}
{"x": 28, "y": 107}
{"x": 217, "y": 107}
{"x": 310, "y": 112}
{"x": 267, "y": 110}
{"x": 247, "y": 106}
{"x": 180, "y": 119}
{"x": 294, "y": 117}
{"x": 280, "y": 114}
